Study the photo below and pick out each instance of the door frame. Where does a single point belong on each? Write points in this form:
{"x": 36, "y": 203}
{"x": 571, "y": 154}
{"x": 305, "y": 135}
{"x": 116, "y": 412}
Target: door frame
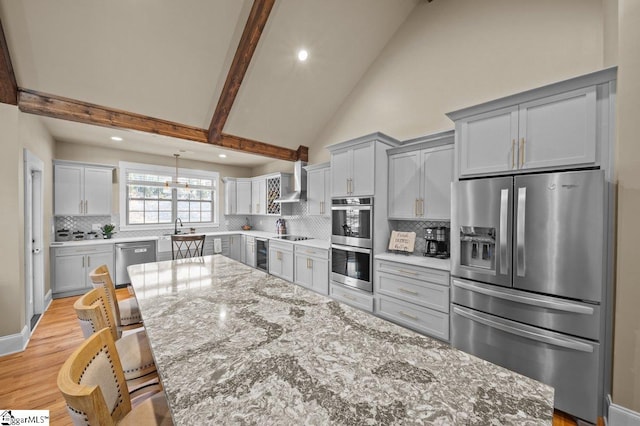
{"x": 33, "y": 207}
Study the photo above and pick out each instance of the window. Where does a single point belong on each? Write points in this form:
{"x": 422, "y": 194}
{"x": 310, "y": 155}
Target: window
{"x": 146, "y": 201}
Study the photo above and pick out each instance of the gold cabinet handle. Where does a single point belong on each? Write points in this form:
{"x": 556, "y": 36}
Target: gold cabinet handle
{"x": 86, "y": 206}
{"x": 415, "y": 207}
{"x": 404, "y": 314}
{"x": 404, "y": 271}
{"x": 522, "y": 142}
{"x": 422, "y": 207}
{"x": 404, "y": 290}
{"x": 81, "y": 205}
{"x": 309, "y": 263}
{"x": 513, "y": 154}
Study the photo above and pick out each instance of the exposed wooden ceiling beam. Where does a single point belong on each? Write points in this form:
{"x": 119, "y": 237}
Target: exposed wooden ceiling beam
{"x": 246, "y": 47}
{"x": 8, "y": 85}
{"x": 47, "y": 105}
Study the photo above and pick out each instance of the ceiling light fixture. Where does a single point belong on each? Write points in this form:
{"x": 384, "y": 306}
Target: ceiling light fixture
{"x": 302, "y": 55}
{"x": 176, "y": 184}
{"x": 116, "y": 138}
{"x": 222, "y": 155}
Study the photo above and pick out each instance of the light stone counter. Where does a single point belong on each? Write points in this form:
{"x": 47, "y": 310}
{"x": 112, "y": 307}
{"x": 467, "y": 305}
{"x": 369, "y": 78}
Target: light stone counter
{"x": 234, "y": 345}
{"x": 427, "y": 262}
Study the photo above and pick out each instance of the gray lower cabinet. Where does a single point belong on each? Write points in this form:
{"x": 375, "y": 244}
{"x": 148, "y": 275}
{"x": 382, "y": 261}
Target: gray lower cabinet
{"x": 250, "y": 251}
{"x": 281, "y": 260}
{"x": 413, "y": 296}
{"x": 351, "y": 296}
{"x": 312, "y": 268}
{"x": 235, "y": 247}
{"x": 70, "y": 267}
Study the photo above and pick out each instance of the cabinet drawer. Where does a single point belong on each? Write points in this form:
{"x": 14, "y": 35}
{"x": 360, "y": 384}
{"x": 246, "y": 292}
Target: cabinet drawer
{"x": 421, "y": 319}
{"x": 310, "y": 251}
{"x": 410, "y": 271}
{"x": 429, "y": 295}
{"x": 351, "y": 297}
{"x": 279, "y": 245}
{"x": 101, "y": 248}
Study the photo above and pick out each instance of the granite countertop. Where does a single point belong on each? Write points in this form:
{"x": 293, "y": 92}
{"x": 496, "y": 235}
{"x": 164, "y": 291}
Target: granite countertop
{"x": 427, "y": 262}
{"x": 234, "y": 345}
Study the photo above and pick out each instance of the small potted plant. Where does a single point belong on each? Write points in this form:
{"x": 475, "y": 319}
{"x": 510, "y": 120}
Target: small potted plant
{"x": 107, "y": 230}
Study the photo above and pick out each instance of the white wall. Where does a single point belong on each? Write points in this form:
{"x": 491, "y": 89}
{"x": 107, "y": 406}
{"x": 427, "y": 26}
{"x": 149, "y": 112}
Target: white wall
{"x": 451, "y": 54}
{"x": 11, "y": 282}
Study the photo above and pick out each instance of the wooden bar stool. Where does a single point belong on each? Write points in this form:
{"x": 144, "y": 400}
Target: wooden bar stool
{"x": 93, "y": 384}
{"x": 183, "y": 246}
{"x": 126, "y": 311}
{"x": 94, "y": 314}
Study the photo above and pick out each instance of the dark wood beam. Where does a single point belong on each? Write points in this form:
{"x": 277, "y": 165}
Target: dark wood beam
{"x": 83, "y": 112}
{"x": 54, "y": 106}
{"x": 8, "y": 85}
{"x": 248, "y": 42}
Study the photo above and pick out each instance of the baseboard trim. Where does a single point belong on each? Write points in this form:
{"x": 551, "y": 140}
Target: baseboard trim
{"x": 621, "y": 416}
{"x": 14, "y": 342}
{"x": 48, "y": 298}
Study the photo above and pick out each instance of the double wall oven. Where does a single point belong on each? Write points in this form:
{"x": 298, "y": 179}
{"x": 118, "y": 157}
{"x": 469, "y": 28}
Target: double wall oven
{"x": 352, "y": 242}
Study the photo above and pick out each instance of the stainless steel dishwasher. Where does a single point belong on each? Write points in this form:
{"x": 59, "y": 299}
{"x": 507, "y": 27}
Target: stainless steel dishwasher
{"x": 132, "y": 253}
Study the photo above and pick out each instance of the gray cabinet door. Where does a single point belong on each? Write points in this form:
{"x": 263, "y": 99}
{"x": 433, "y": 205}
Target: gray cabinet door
{"x": 69, "y": 273}
{"x": 404, "y": 185}
{"x": 362, "y": 174}
{"x": 437, "y": 174}
{"x": 341, "y": 173}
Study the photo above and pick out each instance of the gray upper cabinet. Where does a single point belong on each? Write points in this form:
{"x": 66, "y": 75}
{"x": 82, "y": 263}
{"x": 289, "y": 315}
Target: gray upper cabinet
{"x": 420, "y": 175}
{"x": 259, "y": 196}
{"x": 353, "y": 165}
{"x": 319, "y": 190}
{"x": 557, "y": 126}
{"x": 82, "y": 190}
{"x": 243, "y": 196}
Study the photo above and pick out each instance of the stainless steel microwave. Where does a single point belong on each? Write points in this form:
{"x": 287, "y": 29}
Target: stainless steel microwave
{"x": 352, "y": 221}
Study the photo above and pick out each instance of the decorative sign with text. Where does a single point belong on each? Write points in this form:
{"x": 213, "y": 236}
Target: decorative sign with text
{"x": 402, "y": 241}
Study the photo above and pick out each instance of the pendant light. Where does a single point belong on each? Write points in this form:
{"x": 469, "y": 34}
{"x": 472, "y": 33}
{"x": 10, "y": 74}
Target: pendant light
{"x": 176, "y": 184}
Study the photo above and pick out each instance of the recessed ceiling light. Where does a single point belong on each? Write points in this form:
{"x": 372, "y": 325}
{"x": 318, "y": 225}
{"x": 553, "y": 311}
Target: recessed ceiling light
{"x": 302, "y": 55}
{"x": 116, "y": 138}
{"x": 222, "y": 155}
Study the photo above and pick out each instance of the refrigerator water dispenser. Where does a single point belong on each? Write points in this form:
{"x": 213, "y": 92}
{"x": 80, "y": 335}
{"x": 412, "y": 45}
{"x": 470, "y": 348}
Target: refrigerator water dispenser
{"x": 477, "y": 247}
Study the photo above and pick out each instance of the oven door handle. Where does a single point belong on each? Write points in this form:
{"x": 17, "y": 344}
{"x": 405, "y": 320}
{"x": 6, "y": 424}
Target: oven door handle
{"x": 354, "y": 207}
{"x": 351, "y": 248}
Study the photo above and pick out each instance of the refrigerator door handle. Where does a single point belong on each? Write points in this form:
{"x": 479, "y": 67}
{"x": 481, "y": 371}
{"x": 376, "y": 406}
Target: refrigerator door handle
{"x": 520, "y": 232}
{"x": 539, "y": 337}
{"x": 504, "y": 206}
{"x": 548, "y": 304}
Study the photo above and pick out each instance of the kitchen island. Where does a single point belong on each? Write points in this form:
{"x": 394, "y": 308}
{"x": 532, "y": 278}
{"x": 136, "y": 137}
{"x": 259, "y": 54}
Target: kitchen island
{"x": 234, "y": 345}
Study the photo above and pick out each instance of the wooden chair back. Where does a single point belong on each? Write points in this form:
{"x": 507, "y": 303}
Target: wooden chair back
{"x": 184, "y": 246}
{"x": 100, "y": 277}
{"x": 92, "y": 382}
{"x": 94, "y": 313}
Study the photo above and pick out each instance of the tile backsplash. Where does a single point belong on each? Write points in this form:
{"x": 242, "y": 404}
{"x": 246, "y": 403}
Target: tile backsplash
{"x": 418, "y": 228}
{"x": 297, "y": 223}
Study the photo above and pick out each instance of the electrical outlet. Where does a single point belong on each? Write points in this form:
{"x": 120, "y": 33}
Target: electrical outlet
{"x": 95, "y": 227}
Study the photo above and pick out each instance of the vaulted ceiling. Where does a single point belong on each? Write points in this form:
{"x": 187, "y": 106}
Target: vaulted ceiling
{"x": 223, "y": 73}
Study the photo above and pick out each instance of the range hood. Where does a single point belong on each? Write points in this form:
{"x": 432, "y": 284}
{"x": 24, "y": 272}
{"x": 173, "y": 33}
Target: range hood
{"x": 299, "y": 192}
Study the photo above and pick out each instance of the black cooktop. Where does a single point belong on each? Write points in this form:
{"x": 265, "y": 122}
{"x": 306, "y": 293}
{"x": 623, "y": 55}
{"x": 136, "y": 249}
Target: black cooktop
{"x": 292, "y": 237}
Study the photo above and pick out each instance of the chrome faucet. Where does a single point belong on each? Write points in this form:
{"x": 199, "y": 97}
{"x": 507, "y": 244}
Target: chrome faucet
{"x": 175, "y": 227}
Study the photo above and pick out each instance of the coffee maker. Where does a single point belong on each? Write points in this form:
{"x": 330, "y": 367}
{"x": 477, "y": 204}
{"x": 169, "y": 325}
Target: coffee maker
{"x": 437, "y": 242}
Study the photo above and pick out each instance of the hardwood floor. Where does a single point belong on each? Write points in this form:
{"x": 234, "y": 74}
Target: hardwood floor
{"x": 28, "y": 379}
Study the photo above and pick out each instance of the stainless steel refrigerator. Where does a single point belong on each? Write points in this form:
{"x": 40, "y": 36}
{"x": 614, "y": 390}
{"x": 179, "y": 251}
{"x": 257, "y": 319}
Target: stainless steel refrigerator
{"x": 528, "y": 274}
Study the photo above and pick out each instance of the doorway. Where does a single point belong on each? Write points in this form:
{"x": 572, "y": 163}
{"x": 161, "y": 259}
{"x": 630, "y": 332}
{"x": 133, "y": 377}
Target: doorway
{"x": 33, "y": 239}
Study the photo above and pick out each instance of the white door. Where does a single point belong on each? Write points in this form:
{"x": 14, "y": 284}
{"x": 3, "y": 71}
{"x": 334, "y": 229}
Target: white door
{"x": 559, "y": 130}
{"x": 68, "y": 199}
{"x": 362, "y": 182}
{"x": 243, "y": 197}
{"x": 404, "y": 185}
{"x": 98, "y": 191}
{"x": 33, "y": 235}
{"x": 437, "y": 171}
{"x": 340, "y": 172}
{"x": 488, "y": 142}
